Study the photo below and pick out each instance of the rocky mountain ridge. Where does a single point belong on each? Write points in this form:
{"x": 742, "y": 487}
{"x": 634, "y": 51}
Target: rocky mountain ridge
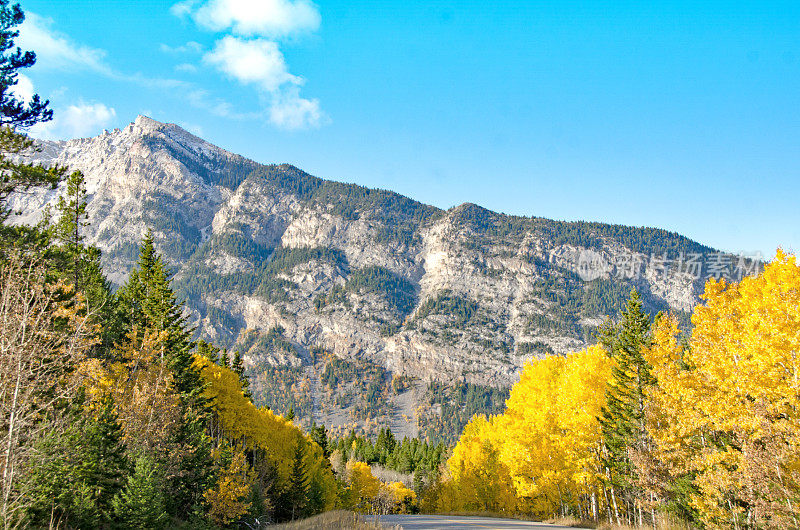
{"x": 298, "y": 272}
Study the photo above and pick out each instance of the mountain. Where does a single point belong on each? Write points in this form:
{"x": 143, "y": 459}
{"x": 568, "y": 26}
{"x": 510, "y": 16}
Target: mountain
{"x": 357, "y": 305}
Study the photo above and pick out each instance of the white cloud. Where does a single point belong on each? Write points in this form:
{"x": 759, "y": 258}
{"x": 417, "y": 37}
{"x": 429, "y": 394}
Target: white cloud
{"x": 56, "y": 50}
{"x": 24, "y": 88}
{"x": 255, "y": 61}
{"x": 76, "y": 121}
{"x": 250, "y": 55}
{"x": 260, "y": 62}
{"x": 189, "y": 47}
{"x": 266, "y": 18}
{"x": 289, "y": 111}
{"x": 186, "y": 68}
{"x": 183, "y": 8}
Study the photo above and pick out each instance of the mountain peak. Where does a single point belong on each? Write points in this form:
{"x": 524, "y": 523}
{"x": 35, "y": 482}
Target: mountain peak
{"x": 145, "y": 124}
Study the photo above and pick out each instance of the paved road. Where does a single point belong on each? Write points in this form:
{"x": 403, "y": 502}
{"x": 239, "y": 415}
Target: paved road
{"x": 451, "y": 522}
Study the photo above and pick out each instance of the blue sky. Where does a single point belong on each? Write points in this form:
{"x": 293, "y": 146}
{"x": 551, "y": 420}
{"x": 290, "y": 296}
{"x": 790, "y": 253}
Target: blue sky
{"x": 680, "y": 115}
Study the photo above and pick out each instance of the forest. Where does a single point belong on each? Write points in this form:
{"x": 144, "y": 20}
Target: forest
{"x": 654, "y": 425}
{"x": 111, "y": 414}
{"x": 114, "y": 415}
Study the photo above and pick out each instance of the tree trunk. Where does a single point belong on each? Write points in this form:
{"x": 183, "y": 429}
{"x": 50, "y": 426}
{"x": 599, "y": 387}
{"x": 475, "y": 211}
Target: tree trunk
{"x": 8, "y": 468}
{"x": 616, "y": 509}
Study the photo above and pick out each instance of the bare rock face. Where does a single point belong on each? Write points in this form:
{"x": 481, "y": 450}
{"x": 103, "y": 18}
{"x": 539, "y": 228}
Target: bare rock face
{"x": 268, "y": 256}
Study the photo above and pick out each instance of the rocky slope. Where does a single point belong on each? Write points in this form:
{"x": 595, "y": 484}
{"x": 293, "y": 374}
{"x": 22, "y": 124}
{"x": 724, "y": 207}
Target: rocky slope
{"x": 398, "y": 293}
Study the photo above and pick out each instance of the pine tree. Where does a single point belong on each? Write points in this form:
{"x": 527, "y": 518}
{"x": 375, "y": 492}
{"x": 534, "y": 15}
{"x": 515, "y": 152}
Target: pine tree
{"x": 622, "y": 420}
{"x": 298, "y": 481}
{"x": 149, "y": 303}
{"x": 13, "y": 112}
{"x": 208, "y": 350}
{"x": 17, "y": 114}
{"x": 141, "y": 503}
{"x": 224, "y": 360}
{"x": 290, "y": 414}
{"x": 80, "y": 470}
{"x": 320, "y": 435}
{"x": 238, "y": 366}
{"x": 104, "y": 463}
{"x": 80, "y": 264}
{"x": 69, "y": 229}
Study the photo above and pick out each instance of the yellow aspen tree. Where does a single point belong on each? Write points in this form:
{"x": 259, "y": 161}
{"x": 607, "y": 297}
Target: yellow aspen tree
{"x": 541, "y": 455}
{"x": 551, "y": 428}
{"x": 141, "y": 386}
{"x": 362, "y": 485}
{"x": 727, "y": 407}
{"x": 480, "y": 480}
{"x": 239, "y": 421}
{"x": 402, "y": 497}
{"x": 228, "y": 499}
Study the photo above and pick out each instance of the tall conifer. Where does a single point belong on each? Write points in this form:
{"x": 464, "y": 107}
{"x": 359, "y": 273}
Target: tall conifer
{"x": 298, "y": 481}
{"x": 622, "y": 420}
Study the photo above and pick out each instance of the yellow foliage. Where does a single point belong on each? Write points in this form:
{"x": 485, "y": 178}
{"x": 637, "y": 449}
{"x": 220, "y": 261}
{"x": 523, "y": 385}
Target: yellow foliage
{"x": 401, "y": 494}
{"x": 228, "y": 498}
{"x": 362, "y": 484}
{"x": 480, "y": 479}
{"x": 239, "y": 420}
{"x": 727, "y": 408}
{"x": 543, "y": 449}
{"x": 365, "y": 493}
{"x": 141, "y": 386}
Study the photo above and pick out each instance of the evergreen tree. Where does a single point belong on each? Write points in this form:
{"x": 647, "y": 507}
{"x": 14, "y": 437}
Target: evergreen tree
{"x": 13, "y": 112}
{"x": 80, "y": 264}
{"x": 149, "y": 303}
{"x": 622, "y": 420}
{"x": 320, "y": 435}
{"x": 208, "y": 350}
{"x": 238, "y": 366}
{"x": 141, "y": 503}
{"x": 315, "y": 498}
{"x": 16, "y": 114}
{"x": 290, "y": 414}
{"x": 298, "y": 481}
{"x": 69, "y": 229}
{"x": 79, "y": 470}
{"x": 104, "y": 463}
